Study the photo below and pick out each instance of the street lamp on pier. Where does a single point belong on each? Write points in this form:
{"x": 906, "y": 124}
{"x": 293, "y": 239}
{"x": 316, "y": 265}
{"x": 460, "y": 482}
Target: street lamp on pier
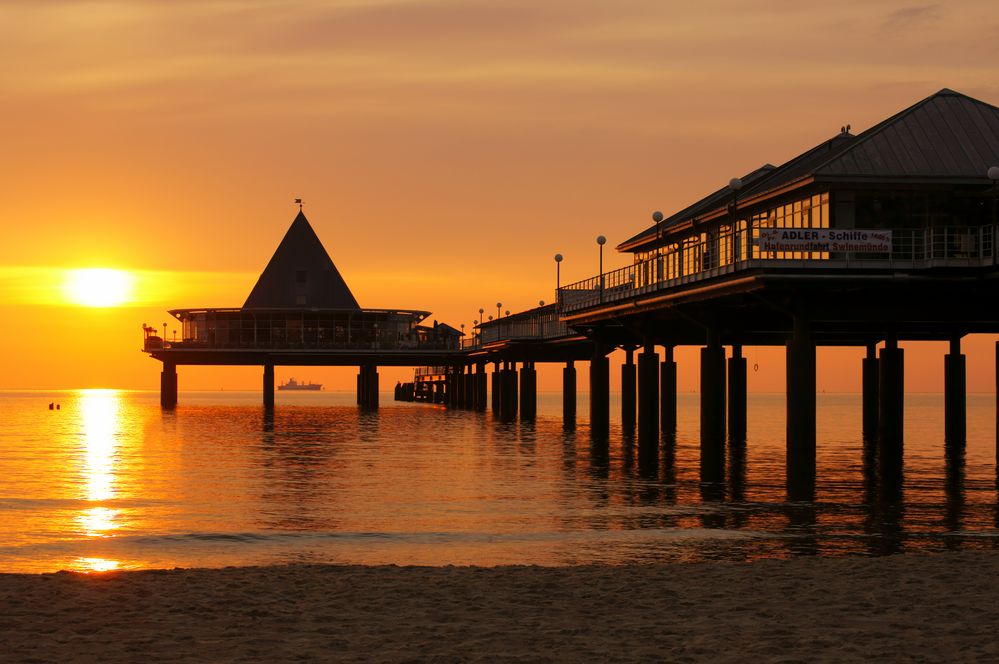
{"x": 657, "y": 217}
{"x": 558, "y": 277}
{"x": 735, "y": 184}
{"x": 601, "y": 240}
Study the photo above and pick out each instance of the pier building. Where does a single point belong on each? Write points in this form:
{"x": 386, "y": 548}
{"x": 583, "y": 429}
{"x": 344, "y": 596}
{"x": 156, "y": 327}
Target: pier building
{"x": 301, "y": 313}
{"x": 864, "y": 240}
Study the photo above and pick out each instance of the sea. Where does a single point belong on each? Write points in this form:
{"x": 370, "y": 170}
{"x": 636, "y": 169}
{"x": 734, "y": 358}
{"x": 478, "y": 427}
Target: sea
{"x": 107, "y": 480}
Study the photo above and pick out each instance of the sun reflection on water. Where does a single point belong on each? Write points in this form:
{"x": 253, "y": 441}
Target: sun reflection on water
{"x": 99, "y": 410}
{"x": 97, "y": 521}
{"x": 100, "y": 421}
{"x": 87, "y": 565}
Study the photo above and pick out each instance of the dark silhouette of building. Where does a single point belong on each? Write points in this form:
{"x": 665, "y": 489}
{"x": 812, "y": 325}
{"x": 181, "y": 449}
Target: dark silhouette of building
{"x": 300, "y": 312}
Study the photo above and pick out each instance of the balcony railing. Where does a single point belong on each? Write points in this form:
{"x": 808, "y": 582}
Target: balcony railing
{"x": 911, "y": 249}
{"x": 431, "y": 371}
{"x": 540, "y": 325}
{"x": 233, "y": 341}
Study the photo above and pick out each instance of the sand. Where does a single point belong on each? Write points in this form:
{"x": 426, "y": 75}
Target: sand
{"x": 934, "y": 608}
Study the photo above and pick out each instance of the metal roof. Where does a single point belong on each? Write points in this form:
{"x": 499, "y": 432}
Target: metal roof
{"x": 710, "y": 202}
{"x": 301, "y": 274}
{"x": 947, "y": 136}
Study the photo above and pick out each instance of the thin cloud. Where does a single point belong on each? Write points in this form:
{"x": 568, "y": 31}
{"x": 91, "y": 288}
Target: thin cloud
{"x": 907, "y": 17}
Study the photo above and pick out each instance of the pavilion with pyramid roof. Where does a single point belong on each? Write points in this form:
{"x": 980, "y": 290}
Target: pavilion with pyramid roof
{"x": 301, "y": 313}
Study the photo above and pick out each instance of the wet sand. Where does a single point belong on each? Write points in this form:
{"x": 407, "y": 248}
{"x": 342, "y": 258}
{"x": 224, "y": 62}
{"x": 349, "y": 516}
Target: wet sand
{"x": 934, "y": 608}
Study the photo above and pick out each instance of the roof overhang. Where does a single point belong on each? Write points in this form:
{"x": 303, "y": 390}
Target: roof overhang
{"x": 414, "y": 314}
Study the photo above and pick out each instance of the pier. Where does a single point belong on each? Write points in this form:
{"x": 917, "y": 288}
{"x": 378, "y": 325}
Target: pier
{"x": 864, "y": 240}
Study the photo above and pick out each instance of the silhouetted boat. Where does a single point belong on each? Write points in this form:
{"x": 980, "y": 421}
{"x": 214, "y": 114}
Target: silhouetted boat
{"x": 293, "y": 384}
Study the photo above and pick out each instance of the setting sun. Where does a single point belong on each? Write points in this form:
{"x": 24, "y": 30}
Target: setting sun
{"x": 98, "y": 287}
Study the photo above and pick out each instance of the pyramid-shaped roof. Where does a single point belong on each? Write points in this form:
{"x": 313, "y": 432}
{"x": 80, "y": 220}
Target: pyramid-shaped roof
{"x": 300, "y": 274}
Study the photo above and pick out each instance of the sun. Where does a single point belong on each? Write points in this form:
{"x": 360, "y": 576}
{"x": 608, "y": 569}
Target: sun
{"x": 98, "y": 287}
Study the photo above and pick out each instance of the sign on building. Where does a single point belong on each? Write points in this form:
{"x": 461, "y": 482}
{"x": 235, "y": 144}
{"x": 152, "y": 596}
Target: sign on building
{"x": 825, "y": 239}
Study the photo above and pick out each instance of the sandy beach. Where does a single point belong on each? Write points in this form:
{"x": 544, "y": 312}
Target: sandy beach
{"x": 932, "y": 608}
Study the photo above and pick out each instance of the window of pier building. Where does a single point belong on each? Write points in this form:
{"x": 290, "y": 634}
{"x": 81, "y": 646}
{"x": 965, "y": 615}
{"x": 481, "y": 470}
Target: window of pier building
{"x": 808, "y": 212}
{"x": 308, "y": 329}
{"x": 731, "y": 242}
{"x": 921, "y": 208}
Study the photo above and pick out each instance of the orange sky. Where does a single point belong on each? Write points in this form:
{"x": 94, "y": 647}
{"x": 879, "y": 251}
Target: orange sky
{"x": 446, "y": 150}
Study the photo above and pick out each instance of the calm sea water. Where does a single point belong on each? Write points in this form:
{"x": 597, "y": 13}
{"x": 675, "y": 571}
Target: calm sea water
{"x": 111, "y": 481}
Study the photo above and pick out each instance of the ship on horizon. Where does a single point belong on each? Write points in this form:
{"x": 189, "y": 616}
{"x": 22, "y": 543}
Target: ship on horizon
{"x": 293, "y": 384}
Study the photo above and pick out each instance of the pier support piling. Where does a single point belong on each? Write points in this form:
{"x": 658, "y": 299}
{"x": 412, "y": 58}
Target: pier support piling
{"x": 628, "y": 375}
{"x": 599, "y": 395}
{"x": 648, "y": 395}
{"x": 268, "y": 386}
{"x": 800, "y": 459}
{"x": 712, "y": 407}
{"x": 667, "y": 397}
{"x": 569, "y": 395}
{"x": 454, "y": 401}
{"x": 168, "y": 385}
{"x": 481, "y": 394}
{"x": 955, "y": 395}
{"x": 737, "y": 395}
{"x": 497, "y": 388}
{"x": 528, "y": 391}
{"x": 509, "y": 397}
{"x": 367, "y": 386}
{"x": 891, "y": 394}
{"x": 469, "y": 392}
{"x": 870, "y": 378}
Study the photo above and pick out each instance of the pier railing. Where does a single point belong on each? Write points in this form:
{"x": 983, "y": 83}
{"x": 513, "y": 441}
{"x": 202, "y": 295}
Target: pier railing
{"x": 431, "y": 371}
{"x": 731, "y": 252}
{"x": 303, "y": 330}
{"x": 537, "y": 324}
{"x": 234, "y": 343}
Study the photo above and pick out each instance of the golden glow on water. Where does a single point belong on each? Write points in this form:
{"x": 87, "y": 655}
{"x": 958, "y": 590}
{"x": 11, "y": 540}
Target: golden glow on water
{"x": 101, "y": 422}
{"x": 98, "y": 522}
{"x": 112, "y": 482}
{"x": 87, "y": 565}
{"x": 99, "y": 415}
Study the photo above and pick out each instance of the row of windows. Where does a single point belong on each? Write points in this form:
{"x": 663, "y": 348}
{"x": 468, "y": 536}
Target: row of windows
{"x": 729, "y": 242}
{"x": 245, "y": 330}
